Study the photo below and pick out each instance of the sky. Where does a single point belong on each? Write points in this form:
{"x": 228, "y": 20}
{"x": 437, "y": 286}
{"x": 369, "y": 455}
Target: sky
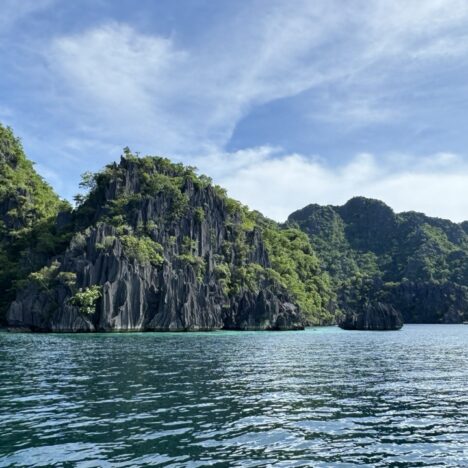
{"x": 284, "y": 103}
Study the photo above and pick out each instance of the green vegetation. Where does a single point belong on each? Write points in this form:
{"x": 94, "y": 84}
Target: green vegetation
{"x": 45, "y": 276}
{"x": 291, "y": 262}
{"x": 199, "y": 214}
{"x": 153, "y": 177}
{"x": 295, "y": 266}
{"x": 371, "y": 253}
{"x": 28, "y": 207}
{"x": 198, "y": 264}
{"x": 33, "y": 198}
{"x": 86, "y": 299}
{"x": 143, "y": 249}
{"x": 322, "y": 259}
{"x": 106, "y": 244}
{"x": 67, "y": 278}
{"x": 222, "y": 273}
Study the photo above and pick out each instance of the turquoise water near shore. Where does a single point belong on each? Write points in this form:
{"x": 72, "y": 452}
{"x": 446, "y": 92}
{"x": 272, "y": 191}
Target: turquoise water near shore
{"x": 321, "y": 397}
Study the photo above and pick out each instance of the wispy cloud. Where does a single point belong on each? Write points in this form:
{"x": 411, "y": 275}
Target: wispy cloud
{"x": 182, "y": 97}
{"x": 119, "y": 80}
{"x": 277, "y": 184}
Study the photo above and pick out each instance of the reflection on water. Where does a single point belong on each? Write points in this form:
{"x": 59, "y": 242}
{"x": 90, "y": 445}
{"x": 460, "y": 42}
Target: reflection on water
{"x": 323, "y": 397}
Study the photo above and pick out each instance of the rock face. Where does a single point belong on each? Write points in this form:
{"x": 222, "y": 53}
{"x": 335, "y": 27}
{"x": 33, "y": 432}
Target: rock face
{"x": 376, "y": 316}
{"x": 188, "y": 271}
{"x": 428, "y": 302}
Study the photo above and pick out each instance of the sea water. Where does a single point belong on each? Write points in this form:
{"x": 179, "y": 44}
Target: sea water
{"x": 320, "y": 397}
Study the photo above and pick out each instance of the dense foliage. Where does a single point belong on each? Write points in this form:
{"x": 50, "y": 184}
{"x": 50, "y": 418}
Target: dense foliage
{"x": 373, "y": 254}
{"x": 28, "y": 209}
{"x": 142, "y": 249}
{"x": 295, "y": 266}
{"x": 86, "y": 299}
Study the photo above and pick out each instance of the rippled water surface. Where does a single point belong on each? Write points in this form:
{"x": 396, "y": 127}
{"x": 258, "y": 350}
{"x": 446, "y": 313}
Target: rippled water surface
{"x": 323, "y": 397}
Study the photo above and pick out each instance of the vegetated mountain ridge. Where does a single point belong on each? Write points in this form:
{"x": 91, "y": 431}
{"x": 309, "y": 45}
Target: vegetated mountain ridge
{"x": 28, "y": 210}
{"x": 413, "y": 263}
{"x": 153, "y": 246}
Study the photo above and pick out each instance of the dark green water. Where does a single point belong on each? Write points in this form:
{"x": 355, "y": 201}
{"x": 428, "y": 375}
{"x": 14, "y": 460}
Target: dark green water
{"x": 322, "y": 397}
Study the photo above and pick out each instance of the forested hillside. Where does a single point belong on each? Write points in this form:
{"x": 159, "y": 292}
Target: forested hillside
{"x": 414, "y": 262}
{"x": 29, "y": 234}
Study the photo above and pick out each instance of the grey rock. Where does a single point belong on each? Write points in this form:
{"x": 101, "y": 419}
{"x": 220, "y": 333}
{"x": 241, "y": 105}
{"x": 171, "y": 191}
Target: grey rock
{"x": 378, "y": 316}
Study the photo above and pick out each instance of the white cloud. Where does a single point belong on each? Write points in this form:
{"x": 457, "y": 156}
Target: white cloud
{"x": 355, "y": 111}
{"x": 184, "y": 98}
{"x": 115, "y": 77}
{"x": 403, "y": 27}
{"x": 278, "y": 184}
{"x": 444, "y": 48}
{"x": 114, "y": 65}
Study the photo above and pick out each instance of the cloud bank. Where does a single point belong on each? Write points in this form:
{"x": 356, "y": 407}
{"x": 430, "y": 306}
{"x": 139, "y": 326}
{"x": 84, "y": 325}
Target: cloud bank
{"x": 277, "y": 184}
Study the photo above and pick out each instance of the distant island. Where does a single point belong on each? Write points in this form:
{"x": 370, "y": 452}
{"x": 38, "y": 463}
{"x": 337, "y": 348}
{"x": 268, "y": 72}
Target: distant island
{"x": 152, "y": 246}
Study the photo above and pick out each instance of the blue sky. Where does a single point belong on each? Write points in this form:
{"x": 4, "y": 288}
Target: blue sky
{"x": 285, "y": 103}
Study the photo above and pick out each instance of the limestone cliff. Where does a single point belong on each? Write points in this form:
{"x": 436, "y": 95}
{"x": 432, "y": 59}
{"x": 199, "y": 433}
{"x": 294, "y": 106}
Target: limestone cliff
{"x": 156, "y": 247}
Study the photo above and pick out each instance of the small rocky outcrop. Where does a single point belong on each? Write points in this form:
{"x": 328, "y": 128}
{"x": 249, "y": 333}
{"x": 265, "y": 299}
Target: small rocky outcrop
{"x": 378, "y": 316}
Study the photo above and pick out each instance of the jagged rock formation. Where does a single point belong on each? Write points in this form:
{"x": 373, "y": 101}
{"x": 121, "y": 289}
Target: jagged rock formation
{"x": 416, "y": 264}
{"x": 377, "y": 316}
{"x": 137, "y": 297}
{"x": 428, "y": 302}
{"x": 155, "y": 247}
